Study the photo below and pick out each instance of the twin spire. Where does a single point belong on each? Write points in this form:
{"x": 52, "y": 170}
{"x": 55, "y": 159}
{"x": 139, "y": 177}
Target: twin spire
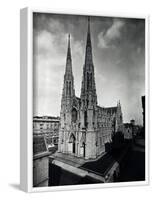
{"x": 88, "y": 82}
{"x": 68, "y": 87}
{"x": 88, "y": 55}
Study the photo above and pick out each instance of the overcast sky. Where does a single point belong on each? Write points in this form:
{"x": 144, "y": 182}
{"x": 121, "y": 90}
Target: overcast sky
{"x": 118, "y": 54}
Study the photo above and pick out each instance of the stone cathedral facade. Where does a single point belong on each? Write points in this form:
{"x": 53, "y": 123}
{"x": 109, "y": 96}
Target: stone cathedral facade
{"x": 85, "y": 127}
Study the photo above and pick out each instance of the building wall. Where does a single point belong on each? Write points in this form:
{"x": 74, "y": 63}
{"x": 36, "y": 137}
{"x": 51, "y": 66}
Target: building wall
{"x": 48, "y": 127}
{"x": 40, "y": 161}
{"x": 89, "y": 143}
{"x": 128, "y": 132}
{"x": 40, "y": 171}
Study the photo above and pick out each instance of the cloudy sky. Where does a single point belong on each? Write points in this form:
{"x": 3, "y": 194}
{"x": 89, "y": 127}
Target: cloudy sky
{"x": 118, "y": 54}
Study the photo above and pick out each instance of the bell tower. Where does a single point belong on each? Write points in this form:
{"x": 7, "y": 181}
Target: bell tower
{"x": 68, "y": 87}
{"x": 68, "y": 94}
{"x": 88, "y": 97}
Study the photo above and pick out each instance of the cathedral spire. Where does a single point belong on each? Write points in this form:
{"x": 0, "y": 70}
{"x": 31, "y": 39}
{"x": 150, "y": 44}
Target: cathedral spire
{"x": 88, "y": 33}
{"x": 88, "y": 56}
{"x": 68, "y": 59}
{"x": 68, "y": 88}
{"x": 69, "y": 49}
{"x": 88, "y": 81}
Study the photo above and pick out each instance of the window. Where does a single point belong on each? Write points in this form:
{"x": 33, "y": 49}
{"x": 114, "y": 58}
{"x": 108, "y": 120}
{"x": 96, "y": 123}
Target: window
{"x": 85, "y": 119}
{"x": 87, "y": 102}
{"x": 90, "y": 79}
{"x": 66, "y": 87}
{"x": 74, "y": 115}
{"x": 87, "y": 80}
{"x": 70, "y": 88}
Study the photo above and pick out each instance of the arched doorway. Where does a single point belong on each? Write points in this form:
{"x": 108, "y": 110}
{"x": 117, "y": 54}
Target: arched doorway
{"x": 73, "y": 143}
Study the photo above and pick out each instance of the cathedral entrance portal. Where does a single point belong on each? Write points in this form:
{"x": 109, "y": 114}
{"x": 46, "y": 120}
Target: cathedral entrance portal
{"x": 73, "y": 142}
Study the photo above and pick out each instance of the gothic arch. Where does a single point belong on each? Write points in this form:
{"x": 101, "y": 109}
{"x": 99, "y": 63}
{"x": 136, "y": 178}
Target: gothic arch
{"x": 72, "y": 140}
{"x": 74, "y": 114}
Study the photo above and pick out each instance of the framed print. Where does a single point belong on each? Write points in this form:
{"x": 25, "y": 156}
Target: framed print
{"x": 84, "y": 100}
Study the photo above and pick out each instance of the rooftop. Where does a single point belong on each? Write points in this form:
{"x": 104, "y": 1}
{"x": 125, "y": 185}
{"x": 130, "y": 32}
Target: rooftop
{"x": 102, "y": 165}
{"x": 46, "y": 119}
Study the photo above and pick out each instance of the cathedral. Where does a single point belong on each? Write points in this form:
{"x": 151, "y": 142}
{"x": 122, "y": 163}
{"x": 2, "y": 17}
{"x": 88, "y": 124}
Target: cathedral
{"x": 85, "y": 127}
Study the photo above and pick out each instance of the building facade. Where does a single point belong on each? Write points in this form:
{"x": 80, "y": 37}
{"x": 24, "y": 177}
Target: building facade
{"x": 45, "y": 141}
{"x": 128, "y": 131}
{"x": 48, "y": 127}
{"x": 131, "y": 130}
{"x": 85, "y": 127}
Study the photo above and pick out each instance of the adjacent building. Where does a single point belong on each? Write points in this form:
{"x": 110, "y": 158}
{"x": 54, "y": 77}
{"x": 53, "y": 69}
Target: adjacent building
{"x": 45, "y": 140}
{"x": 128, "y": 132}
{"x": 131, "y": 130}
{"x": 47, "y": 126}
{"x": 40, "y": 162}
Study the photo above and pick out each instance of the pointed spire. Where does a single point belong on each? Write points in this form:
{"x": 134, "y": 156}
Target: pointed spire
{"x": 88, "y": 56}
{"x": 88, "y": 33}
{"x": 88, "y": 24}
{"x": 88, "y": 81}
{"x": 68, "y": 88}
{"x": 69, "y": 48}
{"x": 68, "y": 59}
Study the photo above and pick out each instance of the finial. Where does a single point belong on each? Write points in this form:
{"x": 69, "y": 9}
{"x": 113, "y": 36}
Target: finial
{"x": 69, "y": 49}
{"x": 69, "y": 40}
{"x": 88, "y": 24}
